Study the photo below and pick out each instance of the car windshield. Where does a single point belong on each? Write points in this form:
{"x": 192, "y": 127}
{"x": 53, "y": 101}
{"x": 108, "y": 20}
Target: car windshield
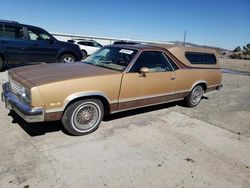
{"x": 115, "y": 58}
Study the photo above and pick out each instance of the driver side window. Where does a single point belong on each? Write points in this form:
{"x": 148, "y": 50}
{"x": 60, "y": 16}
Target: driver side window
{"x": 153, "y": 60}
{"x": 36, "y": 34}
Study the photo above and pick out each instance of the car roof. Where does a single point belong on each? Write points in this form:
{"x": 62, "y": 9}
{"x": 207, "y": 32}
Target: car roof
{"x": 10, "y": 22}
{"x": 169, "y": 47}
{"x": 177, "y": 51}
{"x": 137, "y": 46}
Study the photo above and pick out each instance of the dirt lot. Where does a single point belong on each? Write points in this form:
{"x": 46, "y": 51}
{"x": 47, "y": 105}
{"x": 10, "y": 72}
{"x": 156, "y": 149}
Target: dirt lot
{"x": 161, "y": 146}
{"x": 241, "y": 65}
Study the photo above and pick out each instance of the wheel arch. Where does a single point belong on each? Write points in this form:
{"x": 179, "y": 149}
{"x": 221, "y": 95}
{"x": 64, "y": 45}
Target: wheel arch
{"x": 203, "y": 83}
{"x": 63, "y": 52}
{"x": 94, "y": 95}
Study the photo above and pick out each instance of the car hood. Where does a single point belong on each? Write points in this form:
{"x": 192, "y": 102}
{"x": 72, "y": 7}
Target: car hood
{"x": 65, "y": 43}
{"x": 48, "y": 73}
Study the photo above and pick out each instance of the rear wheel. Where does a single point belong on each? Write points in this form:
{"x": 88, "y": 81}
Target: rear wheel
{"x": 67, "y": 58}
{"x": 83, "y": 117}
{"x": 194, "y": 97}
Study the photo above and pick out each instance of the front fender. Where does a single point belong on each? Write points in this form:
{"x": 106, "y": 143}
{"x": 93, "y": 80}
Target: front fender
{"x": 78, "y": 95}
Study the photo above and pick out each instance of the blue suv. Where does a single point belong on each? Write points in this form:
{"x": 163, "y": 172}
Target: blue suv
{"x": 21, "y": 43}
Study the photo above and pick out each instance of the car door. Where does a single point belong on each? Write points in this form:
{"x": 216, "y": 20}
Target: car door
{"x": 42, "y": 46}
{"x": 155, "y": 85}
{"x": 14, "y": 43}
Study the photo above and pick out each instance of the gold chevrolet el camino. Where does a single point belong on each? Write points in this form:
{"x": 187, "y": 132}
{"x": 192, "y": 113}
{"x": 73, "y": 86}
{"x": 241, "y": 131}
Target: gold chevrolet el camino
{"x": 115, "y": 78}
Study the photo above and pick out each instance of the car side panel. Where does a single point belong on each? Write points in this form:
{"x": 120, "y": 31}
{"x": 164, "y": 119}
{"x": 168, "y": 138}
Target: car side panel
{"x": 138, "y": 90}
{"x": 107, "y": 86}
{"x": 91, "y": 50}
{"x": 88, "y": 49}
{"x": 15, "y": 50}
{"x": 41, "y": 51}
{"x": 188, "y": 78}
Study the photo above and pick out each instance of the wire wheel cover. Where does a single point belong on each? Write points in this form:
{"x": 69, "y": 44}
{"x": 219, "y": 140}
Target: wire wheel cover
{"x": 86, "y": 116}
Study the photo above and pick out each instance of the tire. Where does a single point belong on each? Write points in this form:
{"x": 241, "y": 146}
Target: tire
{"x": 83, "y": 117}
{"x": 67, "y": 58}
{"x": 194, "y": 97}
{"x": 84, "y": 54}
{"x": 2, "y": 65}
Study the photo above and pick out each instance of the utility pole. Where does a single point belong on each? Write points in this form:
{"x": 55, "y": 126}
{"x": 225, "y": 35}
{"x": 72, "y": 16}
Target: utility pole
{"x": 185, "y": 34}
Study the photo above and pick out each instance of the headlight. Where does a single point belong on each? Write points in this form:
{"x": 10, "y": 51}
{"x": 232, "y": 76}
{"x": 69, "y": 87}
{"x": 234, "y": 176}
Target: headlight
{"x": 20, "y": 91}
{"x": 25, "y": 95}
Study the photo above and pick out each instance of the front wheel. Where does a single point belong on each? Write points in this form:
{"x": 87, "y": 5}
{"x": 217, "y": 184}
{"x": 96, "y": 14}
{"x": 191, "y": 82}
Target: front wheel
{"x": 67, "y": 58}
{"x": 83, "y": 117}
{"x": 194, "y": 97}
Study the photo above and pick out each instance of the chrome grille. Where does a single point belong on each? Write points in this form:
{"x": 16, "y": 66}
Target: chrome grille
{"x": 19, "y": 91}
{"x": 16, "y": 88}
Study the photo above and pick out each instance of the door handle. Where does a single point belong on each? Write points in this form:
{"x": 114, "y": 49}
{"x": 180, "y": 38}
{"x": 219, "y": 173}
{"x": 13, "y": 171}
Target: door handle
{"x": 34, "y": 44}
{"x": 173, "y": 78}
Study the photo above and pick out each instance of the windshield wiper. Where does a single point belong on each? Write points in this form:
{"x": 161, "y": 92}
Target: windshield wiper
{"x": 107, "y": 67}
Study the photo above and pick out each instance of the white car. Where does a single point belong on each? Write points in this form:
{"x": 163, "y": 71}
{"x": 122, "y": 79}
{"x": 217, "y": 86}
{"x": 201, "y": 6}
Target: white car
{"x": 87, "y": 47}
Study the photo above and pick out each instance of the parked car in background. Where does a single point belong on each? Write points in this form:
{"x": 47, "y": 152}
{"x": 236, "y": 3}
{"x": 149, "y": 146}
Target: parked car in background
{"x": 21, "y": 43}
{"x": 87, "y": 47}
{"x": 116, "y": 78}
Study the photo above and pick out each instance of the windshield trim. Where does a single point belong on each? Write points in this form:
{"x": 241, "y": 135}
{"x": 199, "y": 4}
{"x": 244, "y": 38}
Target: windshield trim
{"x": 135, "y": 50}
{"x": 102, "y": 66}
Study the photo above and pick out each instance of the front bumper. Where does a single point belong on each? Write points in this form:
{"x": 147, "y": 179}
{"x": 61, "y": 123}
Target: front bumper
{"x": 23, "y": 110}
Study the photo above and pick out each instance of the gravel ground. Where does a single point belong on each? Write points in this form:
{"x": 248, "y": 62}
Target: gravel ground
{"x": 161, "y": 146}
{"x": 235, "y": 64}
{"x": 228, "y": 109}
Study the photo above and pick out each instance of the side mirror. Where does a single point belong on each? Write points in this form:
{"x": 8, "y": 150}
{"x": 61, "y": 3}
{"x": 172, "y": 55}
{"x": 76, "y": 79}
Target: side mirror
{"x": 143, "y": 71}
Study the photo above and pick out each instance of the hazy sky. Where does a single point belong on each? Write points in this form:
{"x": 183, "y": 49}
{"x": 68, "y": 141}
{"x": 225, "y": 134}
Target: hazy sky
{"x": 222, "y": 23}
